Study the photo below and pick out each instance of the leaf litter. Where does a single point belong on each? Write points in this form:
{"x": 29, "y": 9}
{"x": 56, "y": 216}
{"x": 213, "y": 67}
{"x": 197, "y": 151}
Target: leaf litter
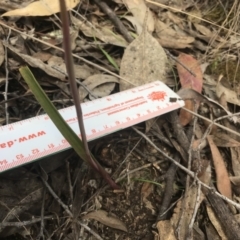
{"x": 174, "y": 34}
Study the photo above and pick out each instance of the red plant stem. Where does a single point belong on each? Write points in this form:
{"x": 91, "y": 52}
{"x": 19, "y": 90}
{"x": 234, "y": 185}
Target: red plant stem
{"x": 73, "y": 86}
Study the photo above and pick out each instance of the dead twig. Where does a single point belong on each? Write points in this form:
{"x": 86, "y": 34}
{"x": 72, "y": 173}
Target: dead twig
{"x": 24, "y": 223}
{"x": 114, "y": 18}
{"x": 41, "y": 235}
{"x": 168, "y": 191}
{"x": 191, "y": 173}
{"x": 178, "y": 131}
{"x": 65, "y": 207}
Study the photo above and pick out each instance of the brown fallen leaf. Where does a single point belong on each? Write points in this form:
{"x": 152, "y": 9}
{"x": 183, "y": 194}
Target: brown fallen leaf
{"x": 235, "y": 180}
{"x": 169, "y": 38}
{"x": 143, "y": 61}
{"x": 187, "y": 93}
{"x": 37, "y": 63}
{"x": 1, "y": 53}
{"x": 138, "y": 8}
{"x": 99, "y": 84}
{"x": 81, "y": 71}
{"x": 146, "y": 190}
{"x": 235, "y": 153}
{"x": 106, "y": 219}
{"x": 204, "y": 30}
{"x": 41, "y": 8}
{"x": 96, "y": 31}
{"x": 223, "y": 181}
{"x": 214, "y": 220}
{"x": 224, "y": 140}
{"x": 188, "y": 80}
{"x": 230, "y": 95}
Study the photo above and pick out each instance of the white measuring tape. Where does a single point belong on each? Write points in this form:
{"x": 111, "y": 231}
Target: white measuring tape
{"x": 31, "y": 139}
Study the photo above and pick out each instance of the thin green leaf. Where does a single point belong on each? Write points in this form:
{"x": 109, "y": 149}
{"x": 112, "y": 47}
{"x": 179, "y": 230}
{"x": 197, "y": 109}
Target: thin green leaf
{"x": 62, "y": 126}
{"x": 52, "y": 112}
{"x": 109, "y": 58}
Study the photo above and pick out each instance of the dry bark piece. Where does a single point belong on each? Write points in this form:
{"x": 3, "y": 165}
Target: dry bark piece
{"x": 165, "y": 230}
{"x": 184, "y": 211}
{"x": 227, "y": 221}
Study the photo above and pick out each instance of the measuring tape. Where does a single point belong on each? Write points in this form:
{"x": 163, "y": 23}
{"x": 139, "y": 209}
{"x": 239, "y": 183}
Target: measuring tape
{"x": 34, "y": 138}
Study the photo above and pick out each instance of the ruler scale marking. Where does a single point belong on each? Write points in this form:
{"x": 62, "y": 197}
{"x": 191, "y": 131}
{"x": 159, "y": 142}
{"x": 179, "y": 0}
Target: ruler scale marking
{"x": 31, "y": 139}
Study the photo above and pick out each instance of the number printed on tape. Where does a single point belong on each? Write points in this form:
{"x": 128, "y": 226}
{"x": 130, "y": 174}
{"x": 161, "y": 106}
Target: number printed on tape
{"x": 34, "y": 138}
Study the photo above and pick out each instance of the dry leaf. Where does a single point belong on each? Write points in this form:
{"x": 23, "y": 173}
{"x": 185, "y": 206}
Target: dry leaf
{"x": 136, "y": 24}
{"x": 204, "y": 30}
{"x": 1, "y": 53}
{"x": 143, "y": 61}
{"x": 215, "y": 222}
{"x": 235, "y": 153}
{"x": 104, "y": 34}
{"x": 139, "y": 9}
{"x": 106, "y": 219}
{"x": 43, "y": 56}
{"x": 224, "y": 140}
{"x": 81, "y": 71}
{"x": 180, "y": 43}
{"x": 211, "y": 231}
{"x": 41, "y": 8}
{"x": 235, "y": 180}
{"x": 188, "y": 80}
{"x": 146, "y": 190}
{"x": 230, "y": 95}
{"x": 98, "y": 80}
{"x": 223, "y": 181}
{"x": 169, "y": 38}
{"x": 186, "y": 93}
{"x": 102, "y": 90}
{"x": 37, "y": 63}
{"x": 165, "y": 230}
